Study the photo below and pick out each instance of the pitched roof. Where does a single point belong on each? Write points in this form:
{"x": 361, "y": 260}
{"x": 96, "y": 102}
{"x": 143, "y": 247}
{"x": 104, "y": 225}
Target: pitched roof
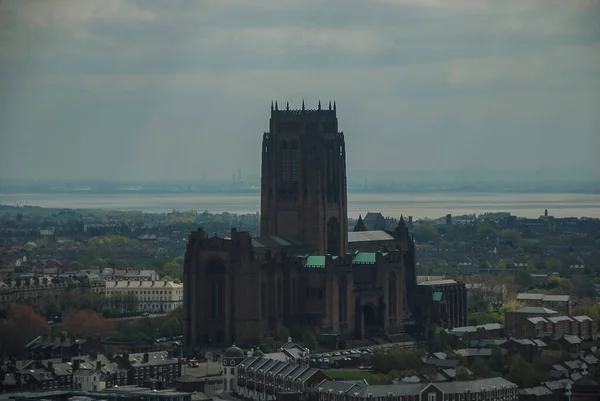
{"x": 369, "y": 236}
{"x": 537, "y": 310}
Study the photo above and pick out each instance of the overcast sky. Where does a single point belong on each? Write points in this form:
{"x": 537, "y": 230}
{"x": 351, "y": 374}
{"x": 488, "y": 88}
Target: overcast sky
{"x": 169, "y": 89}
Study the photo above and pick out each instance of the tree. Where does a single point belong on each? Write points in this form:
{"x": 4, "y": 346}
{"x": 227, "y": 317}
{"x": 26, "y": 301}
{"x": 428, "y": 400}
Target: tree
{"x": 172, "y": 269}
{"x": 399, "y": 359}
{"x": 172, "y": 324}
{"x": 308, "y": 337}
{"x": 522, "y": 373}
{"x": 485, "y": 230}
{"x": 560, "y": 285}
{"x": 21, "y": 326}
{"x": 511, "y": 236}
{"x": 282, "y": 334}
{"x": 425, "y": 233}
{"x": 524, "y": 279}
{"x": 584, "y": 287}
{"x": 172, "y": 279}
{"x": 76, "y": 266}
{"x": 486, "y": 292}
{"x": 87, "y": 322}
{"x": 462, "y": 374}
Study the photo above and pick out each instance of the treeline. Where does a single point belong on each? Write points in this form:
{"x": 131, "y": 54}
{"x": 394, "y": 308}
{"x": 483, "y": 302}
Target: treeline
{"x": 22, "y": 325}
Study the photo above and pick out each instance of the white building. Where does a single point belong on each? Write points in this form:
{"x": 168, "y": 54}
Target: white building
{"x": 89, "y": 380}
{"x": 260, "y": 377}
{"x": 153, "y": 296}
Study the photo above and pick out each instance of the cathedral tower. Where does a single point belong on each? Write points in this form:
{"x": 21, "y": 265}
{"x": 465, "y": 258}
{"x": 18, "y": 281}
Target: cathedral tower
{"x": 303, "y": 183}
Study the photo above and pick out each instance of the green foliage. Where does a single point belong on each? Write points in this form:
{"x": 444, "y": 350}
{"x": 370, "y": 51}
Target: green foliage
{"x": 111, "y": 240}
{"x": 462, "y": 374}
{"x": 30, "y": 245}
{"x": 172, "y": 269}
{"x": 399, "y": 360}
{"x": 584, "y": 287}
{"x": 561, "y": 285}
{"x": 20, "y": 327}
{"x": 490, "y": 315}
{"x": 425, "y": 233}
{"x": 172, "y": 323}
{"x": 268, "y": 345}
{"x": 511, "y": 236}
{"x": 585, "y": 307}
{"x": 524, "y": 279}
{"x": 350, "y": 375}
{"x": 522, "y": 373}
{"x": 76, "y": 266}
{"x": 282, "y": 334}
{"x": 485, "y": 230}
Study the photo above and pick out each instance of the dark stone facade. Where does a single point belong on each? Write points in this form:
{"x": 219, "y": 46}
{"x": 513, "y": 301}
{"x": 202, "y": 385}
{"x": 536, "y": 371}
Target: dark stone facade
{"x": 299, "y": 271}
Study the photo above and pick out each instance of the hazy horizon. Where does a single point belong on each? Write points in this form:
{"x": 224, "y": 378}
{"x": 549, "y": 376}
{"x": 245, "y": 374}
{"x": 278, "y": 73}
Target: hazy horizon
{"x": 148, "y": 90}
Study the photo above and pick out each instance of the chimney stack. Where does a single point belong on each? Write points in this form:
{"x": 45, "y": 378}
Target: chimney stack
{"x": 146, "y": 357}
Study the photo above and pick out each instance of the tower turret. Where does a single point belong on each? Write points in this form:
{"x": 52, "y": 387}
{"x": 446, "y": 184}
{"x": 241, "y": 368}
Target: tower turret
{"x": 303, "y": 183}
{"x": 232, "y": 358}
{"x": 360, "y": 224}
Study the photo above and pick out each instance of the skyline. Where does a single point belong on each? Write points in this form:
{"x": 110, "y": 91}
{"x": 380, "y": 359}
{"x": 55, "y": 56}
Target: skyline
{"x": 138, "y": 90}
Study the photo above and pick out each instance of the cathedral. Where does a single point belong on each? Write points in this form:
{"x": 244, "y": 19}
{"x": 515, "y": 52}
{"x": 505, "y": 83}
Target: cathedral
{"x": 306, "y": 267}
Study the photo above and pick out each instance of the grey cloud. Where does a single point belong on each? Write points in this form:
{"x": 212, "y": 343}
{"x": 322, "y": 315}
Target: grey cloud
{"x": 157, "y": 85}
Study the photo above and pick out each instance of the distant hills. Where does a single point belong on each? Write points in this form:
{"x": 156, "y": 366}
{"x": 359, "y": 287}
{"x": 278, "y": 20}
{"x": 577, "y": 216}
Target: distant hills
{"x": 370, "y": 183}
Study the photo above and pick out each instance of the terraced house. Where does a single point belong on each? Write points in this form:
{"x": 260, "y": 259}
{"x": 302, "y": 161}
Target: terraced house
{"x": 495, "y": 389}
{"x": 262, "y": 377}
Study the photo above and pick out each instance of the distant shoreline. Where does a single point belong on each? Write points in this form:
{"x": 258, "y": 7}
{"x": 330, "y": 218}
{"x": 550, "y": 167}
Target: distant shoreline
{"x": 351, "y": 191}
{"x": 418, "y": 205}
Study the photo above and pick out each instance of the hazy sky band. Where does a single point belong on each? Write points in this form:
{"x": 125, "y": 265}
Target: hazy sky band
{"x": 174, "y": 89}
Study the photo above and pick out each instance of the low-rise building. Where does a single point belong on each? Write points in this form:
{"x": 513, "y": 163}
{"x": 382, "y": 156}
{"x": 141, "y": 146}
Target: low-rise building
{"x": 495, "y": 389}
{"x": 446, "y": 300}
{"x": 515, "y": 322}
{"x": 161, "y": 365}
{"x": 560, "y": 303}
{"x": 89, "y": 380}
{"x": 584, "y": 327}
{"x": 153, "y": 296}
{"x": 41, "y": 291}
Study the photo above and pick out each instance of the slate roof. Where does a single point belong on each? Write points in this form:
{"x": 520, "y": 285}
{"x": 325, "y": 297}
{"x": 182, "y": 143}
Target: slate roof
{"x": 412, "y": 389}
{"x": 369, "y": 236}
{"x": 537, "y": 310}
{"x": 438, "y": 282}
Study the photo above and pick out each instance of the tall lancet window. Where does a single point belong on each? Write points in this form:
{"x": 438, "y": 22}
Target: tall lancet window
{"x": 285, "y": 162}
{"x": 330, "y": 166}
{"x": 295, "y": 161}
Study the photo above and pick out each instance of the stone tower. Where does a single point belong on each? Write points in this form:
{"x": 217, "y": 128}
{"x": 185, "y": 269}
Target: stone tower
{"x": 232, "y": 357}
{"x": 303, "y": 185}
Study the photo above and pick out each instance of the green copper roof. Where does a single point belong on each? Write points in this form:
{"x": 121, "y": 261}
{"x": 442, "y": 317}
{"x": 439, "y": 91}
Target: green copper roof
{"x": 361, "y": 258}
{"x": 316, "y": 262}
{"x": 364, "y": 258}
{"x": 437, "y": 296}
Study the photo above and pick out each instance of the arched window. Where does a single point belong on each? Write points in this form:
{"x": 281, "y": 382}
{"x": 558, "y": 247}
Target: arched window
{"x": 295, "y": 161}
{"x": 284, "y": 169}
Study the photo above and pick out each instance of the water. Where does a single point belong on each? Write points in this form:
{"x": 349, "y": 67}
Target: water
{"x": 416, "y": 205}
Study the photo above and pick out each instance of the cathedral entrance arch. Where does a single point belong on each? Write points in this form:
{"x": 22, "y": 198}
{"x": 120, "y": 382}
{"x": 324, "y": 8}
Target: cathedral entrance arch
{"x": 370, "y": 321}
{"x": 216, "y": 273}
{"x": 333, "y": 237}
